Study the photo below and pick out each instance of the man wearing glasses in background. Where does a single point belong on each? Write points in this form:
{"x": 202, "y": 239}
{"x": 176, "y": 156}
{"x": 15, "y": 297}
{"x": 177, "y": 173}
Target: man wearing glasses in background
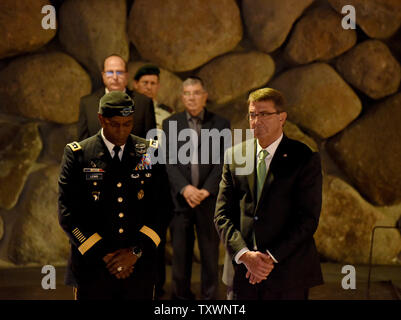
{"x": 115, "y": 78}
{"x": 194, "y": 188}
{"x": 267, "y": 218}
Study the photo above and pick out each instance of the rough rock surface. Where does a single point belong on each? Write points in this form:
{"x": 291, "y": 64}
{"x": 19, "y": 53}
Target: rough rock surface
{"x": 1, "y": 228}
{"x": 184, "y": 41}
{"x": 346, "y": 224}
{"x": 371, "y": 68}
{"x": 37, "y": 236}
{"x": 91, "y": 30}
{"x": 318, "y": 99}
{"x": 378, "y": 18}
{"x": 269, "y": 22}
{"x": 232, "y": 75}
{"x": 319, "y": 36}
{"x": 46, "y": 86}
{"x": 20, "y": 147}
{"x": 369, "y": 152}
{"x": 55, "y": 137}
{"x": 21, "y": 27}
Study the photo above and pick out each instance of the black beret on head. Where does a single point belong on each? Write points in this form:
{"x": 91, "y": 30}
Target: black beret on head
{"x": 116, "y": 103}
{"x": 148, "y": 69}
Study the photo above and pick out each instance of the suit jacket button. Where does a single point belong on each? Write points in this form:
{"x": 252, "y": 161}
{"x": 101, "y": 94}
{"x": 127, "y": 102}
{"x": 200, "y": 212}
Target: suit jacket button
{"x": 256, "y": 218}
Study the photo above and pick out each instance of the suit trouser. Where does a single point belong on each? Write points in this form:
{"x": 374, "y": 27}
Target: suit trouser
{"x": 182, "y": 235}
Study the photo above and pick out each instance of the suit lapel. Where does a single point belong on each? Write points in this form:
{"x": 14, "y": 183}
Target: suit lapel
{"x": 278, "y": 161}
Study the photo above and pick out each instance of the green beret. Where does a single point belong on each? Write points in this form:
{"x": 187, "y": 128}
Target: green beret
{"x": 148, "y": 69}
{"x": 116, "y": 103}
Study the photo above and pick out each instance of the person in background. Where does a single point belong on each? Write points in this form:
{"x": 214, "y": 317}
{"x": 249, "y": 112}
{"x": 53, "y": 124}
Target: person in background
{"x": 194, "y": 188}
{"x": 115, "y": 78}
{"x": 147, "y": 82}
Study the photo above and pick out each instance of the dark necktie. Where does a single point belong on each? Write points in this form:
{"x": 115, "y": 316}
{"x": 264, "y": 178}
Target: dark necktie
{"x": 116, "y": 159}
{"x": 195, "y": 166}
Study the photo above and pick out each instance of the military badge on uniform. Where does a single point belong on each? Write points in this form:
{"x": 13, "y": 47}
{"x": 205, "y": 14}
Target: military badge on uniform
{"x": 145, "y": 163}
{"x": 140, "y": 149}
{"x": 96, "y": 195}
{"x": 93, "y": 173}
{"x": 141, "y": 194}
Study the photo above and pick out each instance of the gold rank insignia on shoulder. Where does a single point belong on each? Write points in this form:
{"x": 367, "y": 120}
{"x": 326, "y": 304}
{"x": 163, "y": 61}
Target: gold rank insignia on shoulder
{"x": 153, "y": 143}
{"x": 75, "y": 146}
{"x": 141, "y": 194}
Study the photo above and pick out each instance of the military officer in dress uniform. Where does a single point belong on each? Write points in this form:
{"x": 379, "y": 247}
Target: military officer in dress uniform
{"x": 107, "y": 206}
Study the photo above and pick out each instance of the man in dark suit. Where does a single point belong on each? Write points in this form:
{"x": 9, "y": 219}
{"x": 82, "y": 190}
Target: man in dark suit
{"x": 115, "y": 78}
{"x": 268, "y": 210}
{"x": 194, "y": 187}
{"x": 109, "y": 191}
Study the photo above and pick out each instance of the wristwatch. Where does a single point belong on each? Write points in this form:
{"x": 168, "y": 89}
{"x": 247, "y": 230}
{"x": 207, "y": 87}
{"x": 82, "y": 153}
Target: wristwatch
{"x": 137, "y": 251}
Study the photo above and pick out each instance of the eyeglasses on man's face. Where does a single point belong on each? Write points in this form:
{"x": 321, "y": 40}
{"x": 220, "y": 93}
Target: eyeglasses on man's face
{"x": 111, "y": 73}
{"x": 261, "y": 115}
{"x": 197, "y": 93}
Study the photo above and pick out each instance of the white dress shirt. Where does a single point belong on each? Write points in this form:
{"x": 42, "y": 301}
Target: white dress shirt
{"x": 271, "y": 149}
{"x": 110, "y": 146}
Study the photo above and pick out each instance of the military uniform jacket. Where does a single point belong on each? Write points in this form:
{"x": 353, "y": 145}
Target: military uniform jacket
{"x": 103, "y": 208}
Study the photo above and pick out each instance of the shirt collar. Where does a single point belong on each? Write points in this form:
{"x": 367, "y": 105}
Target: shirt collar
{"x": 110, "y": 145}
{"x": 107, "y": 90}
{"x": 271, "y": 149}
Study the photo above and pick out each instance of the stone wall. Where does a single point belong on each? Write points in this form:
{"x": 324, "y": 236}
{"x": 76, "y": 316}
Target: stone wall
{"x": 342, "y": 88}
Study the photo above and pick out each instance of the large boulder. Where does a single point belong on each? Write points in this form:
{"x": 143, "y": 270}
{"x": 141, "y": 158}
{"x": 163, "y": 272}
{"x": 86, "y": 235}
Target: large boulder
{"x": 183, "y": 39}
{"x": 369, "y": 152}
{"x": 268, "y": 22}
{"x": 20, "y": 147}
{"x": 346, "y": 225}
{"x": 37, "y": 236}
{"x": 91, "y": 30}
{"x": 371, "y": 68}
{"x": 54, "y": 138}
{"x": 21, "y": 27}
{"x": 234, "y": 74}
{"x": 318, "y": 99}
{"x": 378, "y": 18}
{"x": 318, "y": 35}
{"x": 46, "y": 86}
{"x": 170, "y": 85}
{"x": 1, "y": 228}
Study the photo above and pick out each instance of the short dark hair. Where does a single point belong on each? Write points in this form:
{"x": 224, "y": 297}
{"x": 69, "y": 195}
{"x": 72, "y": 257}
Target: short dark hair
{"x": 268, "y": 94}
{"x": 148, "y": 69}
{"x": 115, "y": 55}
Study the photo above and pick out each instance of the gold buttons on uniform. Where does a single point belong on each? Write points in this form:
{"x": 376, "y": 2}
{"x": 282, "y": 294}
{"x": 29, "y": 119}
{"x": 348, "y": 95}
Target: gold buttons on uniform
{"x": 120, "y": 199}
{"x": 119, "y": 185}
{"x": 95, "y": 183}
{"x": 142, "y": 182}
{"x": 121, "y": 215}
{"x": 121, "y": 230}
